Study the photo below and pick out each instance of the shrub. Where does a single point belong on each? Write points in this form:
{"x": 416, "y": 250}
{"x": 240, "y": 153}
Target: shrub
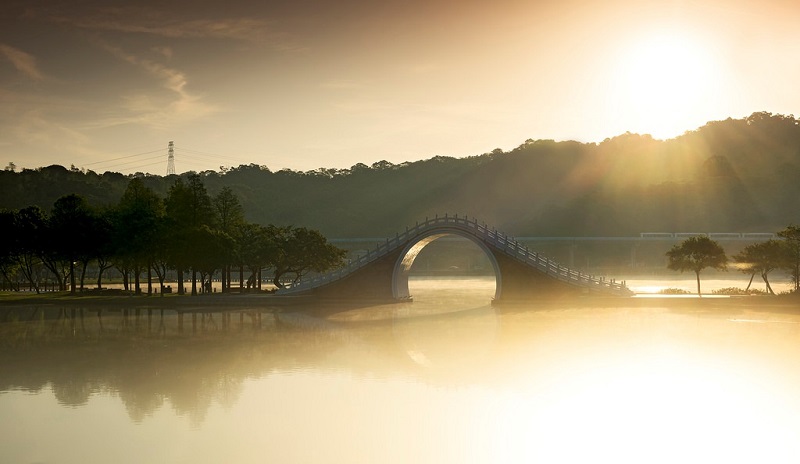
{"x": 674, "y": 291}
{"x": 738, "y": 291}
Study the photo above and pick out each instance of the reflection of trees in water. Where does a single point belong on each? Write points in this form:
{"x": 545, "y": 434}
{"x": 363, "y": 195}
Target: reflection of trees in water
{"x": 71, "y": 391}
{"x": 189, "y": 374}
{"x": 149, "y": 361}
{"x": 151, "y": 364}
{"x": 191, "y": 371}
{"x": 136, "y": 358}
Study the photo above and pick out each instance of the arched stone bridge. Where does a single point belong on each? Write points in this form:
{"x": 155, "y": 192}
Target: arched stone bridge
{"x": 519, "y": 273}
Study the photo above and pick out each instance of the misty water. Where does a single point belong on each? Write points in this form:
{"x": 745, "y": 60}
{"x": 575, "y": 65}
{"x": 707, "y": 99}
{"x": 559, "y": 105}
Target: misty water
{"x": 447, "y": 378}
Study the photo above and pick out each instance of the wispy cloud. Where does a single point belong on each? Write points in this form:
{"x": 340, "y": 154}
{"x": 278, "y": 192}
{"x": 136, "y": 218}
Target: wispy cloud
{"x": 34, "y": 136}
{"x": 24, "y": 62}
{"x": 144, "y": 108}
{"x": 147, "y": 21}
{"x": 36, "y": 127}
{"x": 165, "y": 51}
{"x": 50, "y": 121}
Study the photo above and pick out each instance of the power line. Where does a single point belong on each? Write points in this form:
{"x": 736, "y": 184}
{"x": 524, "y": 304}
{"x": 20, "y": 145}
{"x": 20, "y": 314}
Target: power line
{"x": 198, "y": 151}
{"x": 199, "y": 159}
{"x": 195, "y": 156}
{"x": 134, "y": 161}
{"x": 132, "y": 168}
{"x": 121, "y": 157}
{"x": 209, "y": 156}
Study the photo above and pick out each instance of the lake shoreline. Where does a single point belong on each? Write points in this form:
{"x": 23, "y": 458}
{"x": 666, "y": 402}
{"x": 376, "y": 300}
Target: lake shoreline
{"x": 213, "y": 301}
{"x": 144, "y": 301}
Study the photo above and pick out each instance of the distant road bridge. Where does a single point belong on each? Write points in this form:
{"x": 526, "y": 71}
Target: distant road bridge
{"x": 520, "y": 273}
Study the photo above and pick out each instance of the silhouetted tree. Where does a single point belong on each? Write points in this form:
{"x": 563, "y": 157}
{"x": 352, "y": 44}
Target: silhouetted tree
{"x": 298, "y": 250}
{"x": 188, "y": 206}
{"x": 30, "y": 228}
{"x": 137, "y": 220}
{"x": 104, "y": 244}
{"x": 160, "y": 252}
{"x": 761, "y": 258}
{"x": 8, "y": 248}
{"x": 256, "y": 246}
{"x": 214, "y": 254}
{"x": 695, "y": 254}
{"x": 230, "y": 216}
{"x": 791, "y": 238}
{"x": 71, "y": 228}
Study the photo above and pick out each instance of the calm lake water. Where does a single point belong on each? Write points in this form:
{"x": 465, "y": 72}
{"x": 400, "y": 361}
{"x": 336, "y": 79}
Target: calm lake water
{"x": 446, "y": 379}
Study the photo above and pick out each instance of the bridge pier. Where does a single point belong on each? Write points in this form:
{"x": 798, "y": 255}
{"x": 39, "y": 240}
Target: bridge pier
{"x": 373, "y": 282}
{"x": 520, "y": 282}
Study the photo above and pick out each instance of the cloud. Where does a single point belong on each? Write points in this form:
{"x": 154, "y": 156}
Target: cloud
{"x": 34, "y": 126}
{"x": 24, "y": 62}
{"x": 148, "y": 21}
{"x": 165, "y": 51}
{"x": 144, "y": 108}
{"x": 51, "y": 121}
{"x": 34, "y": 136}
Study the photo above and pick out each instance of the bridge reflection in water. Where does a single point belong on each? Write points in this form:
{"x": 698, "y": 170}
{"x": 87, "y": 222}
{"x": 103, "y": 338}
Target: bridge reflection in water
{"x": 483, "y": 385}
{"x": 520, "y": 273}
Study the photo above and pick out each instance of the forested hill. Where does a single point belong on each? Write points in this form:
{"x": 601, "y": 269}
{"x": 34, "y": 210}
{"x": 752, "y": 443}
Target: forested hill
{"x": 739, "y": 175}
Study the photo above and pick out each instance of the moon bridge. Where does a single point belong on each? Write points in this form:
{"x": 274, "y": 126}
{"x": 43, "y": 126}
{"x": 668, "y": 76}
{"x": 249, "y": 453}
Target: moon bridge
{"x": 520, "y": 273}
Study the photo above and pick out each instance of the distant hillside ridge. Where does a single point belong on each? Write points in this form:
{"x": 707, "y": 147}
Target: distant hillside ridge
{"x": 739, "y": 175}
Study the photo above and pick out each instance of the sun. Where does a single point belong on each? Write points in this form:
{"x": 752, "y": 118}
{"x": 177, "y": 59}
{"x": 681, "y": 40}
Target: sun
{"x": 664, "y": 82}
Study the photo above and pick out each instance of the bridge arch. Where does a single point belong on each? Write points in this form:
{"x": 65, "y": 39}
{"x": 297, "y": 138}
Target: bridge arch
{"x": 409, "y": 253}
{"x": 519, "y": 272}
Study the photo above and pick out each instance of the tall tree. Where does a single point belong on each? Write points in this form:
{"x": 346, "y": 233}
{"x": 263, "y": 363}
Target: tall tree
{"x": 188, "y": 203}
{"x": 254, "y": 247}
{"x": 30, "y": 226}
{"x": 71, "y": 226}
{"x": 761, "y": 258}
{"x": 188, "y": 207}
{"x": 8, "y": 248}
{"x": 137, "y": 219}
{"x": 104, "y": 242}
{"x": 216, "y": 247}
{"x": 298, "y": 250}
{"x": 791, "y": 238}
{"x": 160, "y": 252}
{"x": 695, "y": 254}
{"x": 228, "y": 210}
{"x": 229, "y": 216}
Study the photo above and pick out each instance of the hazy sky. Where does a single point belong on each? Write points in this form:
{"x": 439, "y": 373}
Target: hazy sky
{"x": 299, "y": 84}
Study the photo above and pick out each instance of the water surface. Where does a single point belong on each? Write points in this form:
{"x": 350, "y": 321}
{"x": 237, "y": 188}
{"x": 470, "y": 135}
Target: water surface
{"x": 448, "y": 378}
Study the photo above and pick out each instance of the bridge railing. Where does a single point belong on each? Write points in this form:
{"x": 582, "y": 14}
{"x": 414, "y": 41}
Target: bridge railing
{"x": 512, "y": 248}
{"x": 492, "y": 237}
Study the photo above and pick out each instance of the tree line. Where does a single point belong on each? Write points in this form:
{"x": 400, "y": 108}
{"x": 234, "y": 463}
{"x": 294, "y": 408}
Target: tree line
{"x": 144, "y": 236}
{"x": 700, "y": 252}
{"x": 735, "y": 175}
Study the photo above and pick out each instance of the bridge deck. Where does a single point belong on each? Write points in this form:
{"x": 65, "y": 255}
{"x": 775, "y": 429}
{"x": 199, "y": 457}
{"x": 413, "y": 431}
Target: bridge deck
{"x": 497, "y": 241}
